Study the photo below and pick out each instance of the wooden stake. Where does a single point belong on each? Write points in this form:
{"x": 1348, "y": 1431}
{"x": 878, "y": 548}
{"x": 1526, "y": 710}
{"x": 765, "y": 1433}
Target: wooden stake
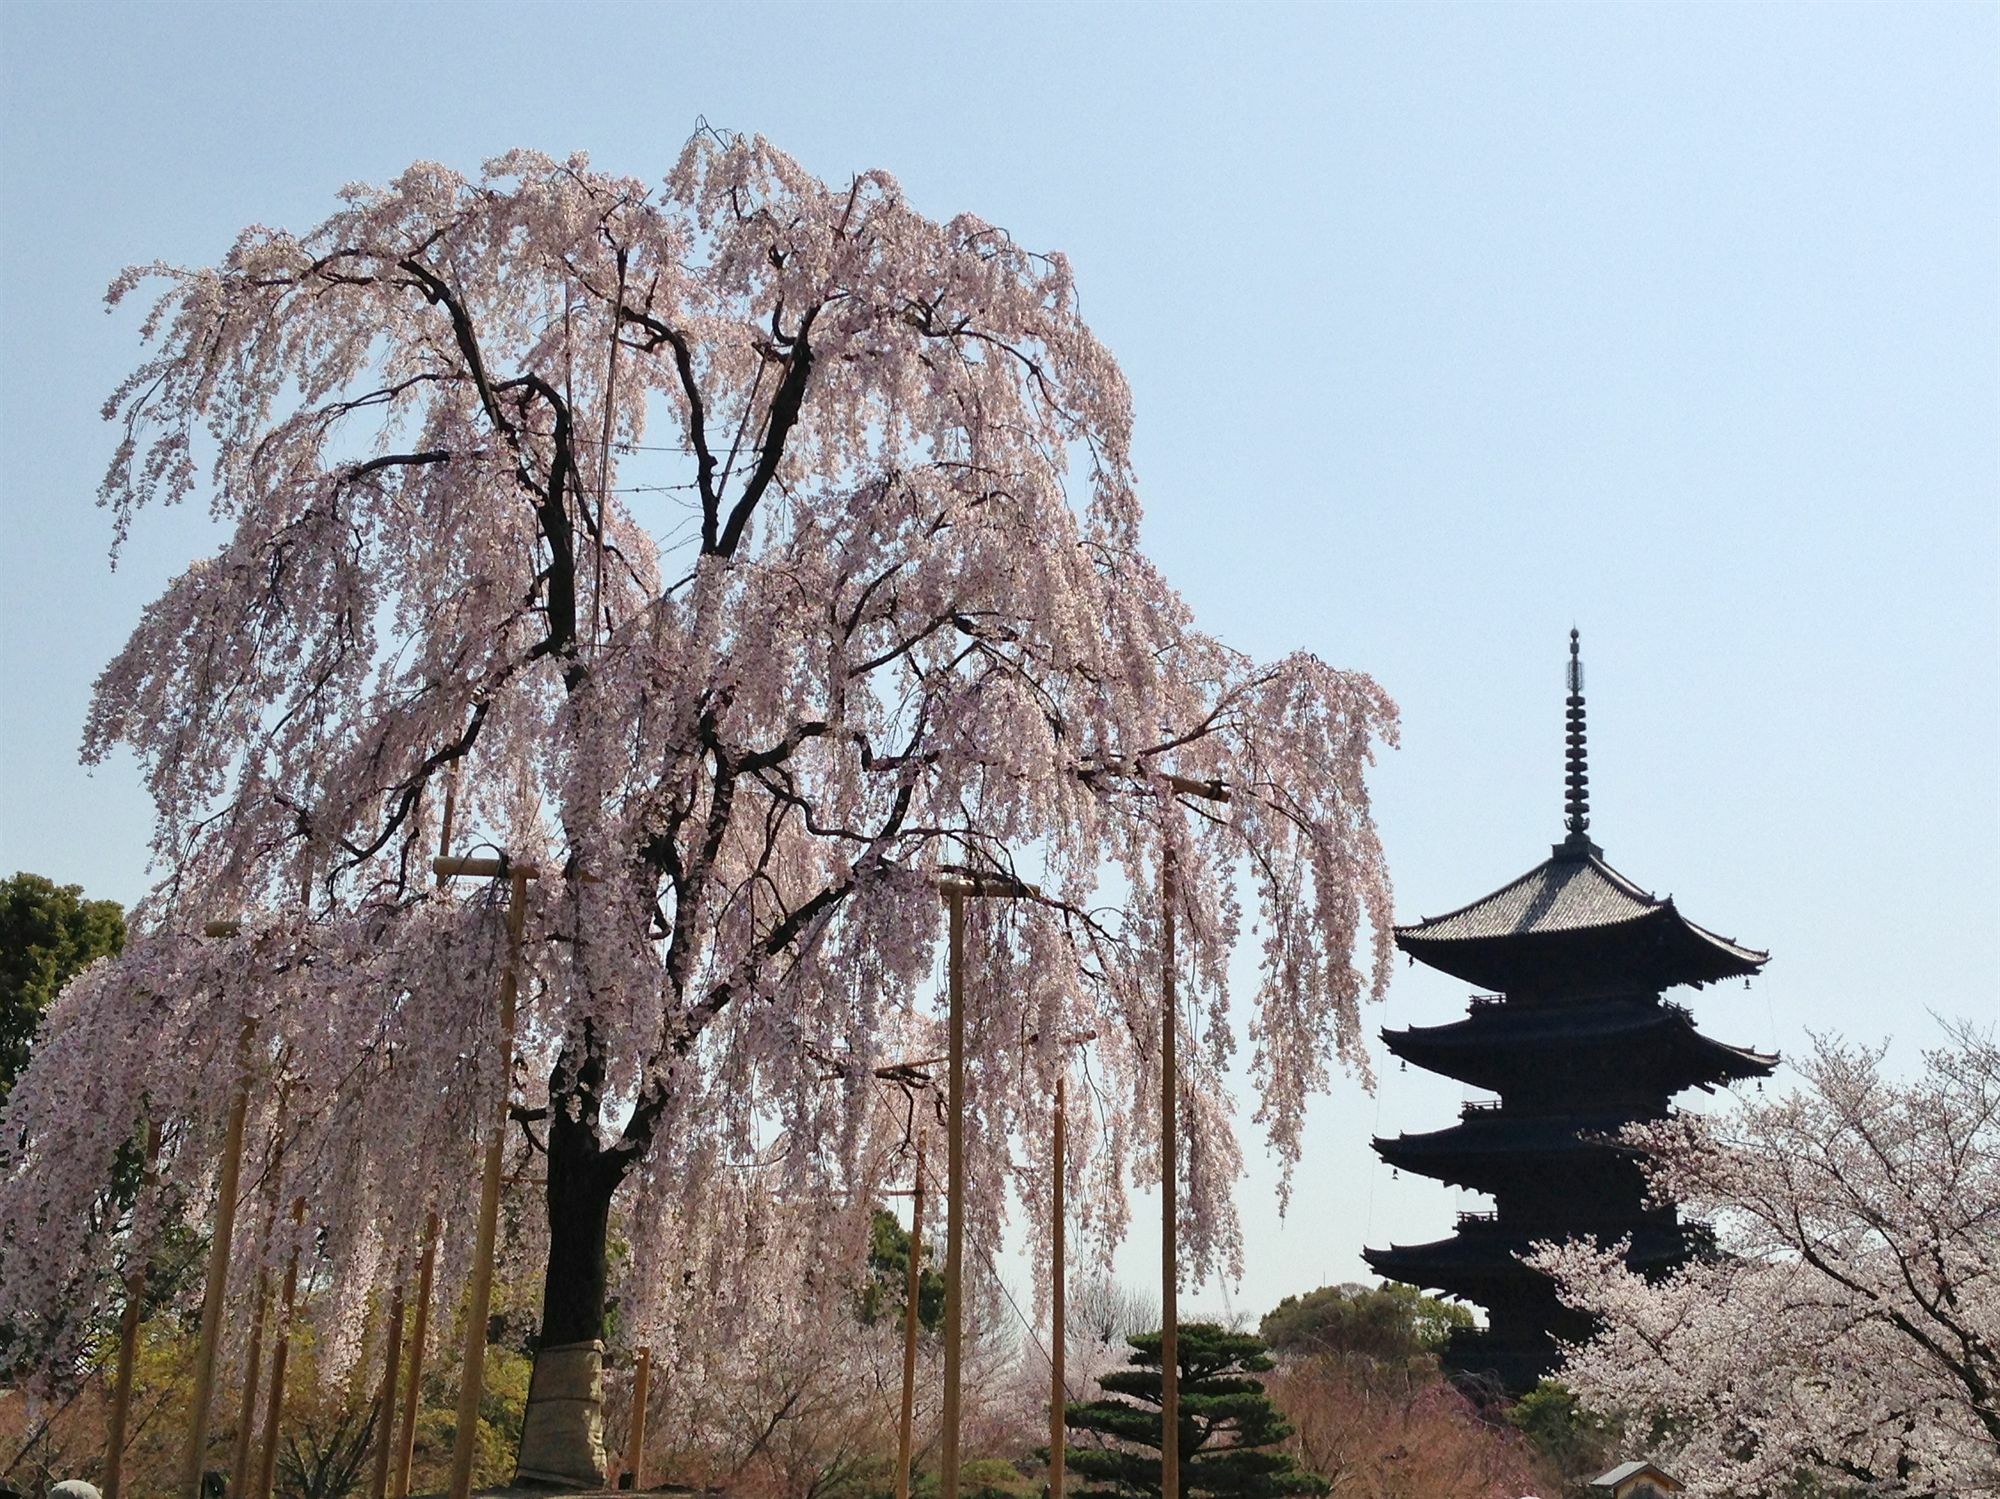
{"x": 954, "y": 1218}
{"x": 635, "y": 1440}
{"x": 128, "y": 1337}
{"x": 912, "y": 1290}
{"x": 472, "y": 1381}
{"x": 1058, "y": 1294}
{"x": 385, "y": 1405}
{"x": 195, "y": 1453}
{"x": 1170, "y": 1267}
{"x": 274, "y": 1411}
{"x": 406, "y": 1442}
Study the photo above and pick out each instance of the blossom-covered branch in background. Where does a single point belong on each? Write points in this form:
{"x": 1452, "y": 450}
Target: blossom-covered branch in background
{"x": 1852, "y": 1330}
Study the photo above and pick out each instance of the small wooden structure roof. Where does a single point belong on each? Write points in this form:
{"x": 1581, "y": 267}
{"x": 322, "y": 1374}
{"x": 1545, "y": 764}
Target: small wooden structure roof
{"x": 1627, "y": 1478}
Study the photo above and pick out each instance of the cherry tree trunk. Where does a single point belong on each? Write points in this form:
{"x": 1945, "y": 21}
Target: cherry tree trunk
{"x": 562, "y": 1430}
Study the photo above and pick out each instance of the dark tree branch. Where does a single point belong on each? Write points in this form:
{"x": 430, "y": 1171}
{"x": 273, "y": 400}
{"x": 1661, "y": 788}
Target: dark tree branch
{"x": 785, "y": 407}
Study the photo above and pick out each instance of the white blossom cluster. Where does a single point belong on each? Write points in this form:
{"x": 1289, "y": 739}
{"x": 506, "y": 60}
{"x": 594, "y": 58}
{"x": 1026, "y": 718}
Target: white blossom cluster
{"x": 745, "y": 553}
{"x": 1851, "y": 1333}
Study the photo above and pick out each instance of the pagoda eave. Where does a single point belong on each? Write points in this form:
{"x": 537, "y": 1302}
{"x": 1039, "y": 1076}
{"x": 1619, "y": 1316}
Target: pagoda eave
{"x": 1491, "y": 1051}
{"x": 1451, "y": 1266}
{"x": 1473, "y": 1263}
{"x": 1488, "y": 1153}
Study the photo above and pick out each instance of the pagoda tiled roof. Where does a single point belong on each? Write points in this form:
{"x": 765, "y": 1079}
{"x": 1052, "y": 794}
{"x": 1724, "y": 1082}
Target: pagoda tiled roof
{"x": 1575, "y": 895}
{"x": 1560, "y": 895}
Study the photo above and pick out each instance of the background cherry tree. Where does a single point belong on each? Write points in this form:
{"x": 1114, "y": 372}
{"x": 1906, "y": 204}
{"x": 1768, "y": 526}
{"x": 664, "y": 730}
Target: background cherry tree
{"x": 1853, "y": 1332}
{"x": 743, "y": 552}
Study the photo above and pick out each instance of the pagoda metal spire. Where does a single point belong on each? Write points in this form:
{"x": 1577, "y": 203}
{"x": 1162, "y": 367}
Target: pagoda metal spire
{"x": 1576, "y": 797}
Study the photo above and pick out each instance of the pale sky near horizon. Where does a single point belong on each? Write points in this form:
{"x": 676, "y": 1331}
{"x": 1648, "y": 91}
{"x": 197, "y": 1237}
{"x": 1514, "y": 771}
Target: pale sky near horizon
{"x": 1448, "y": 327}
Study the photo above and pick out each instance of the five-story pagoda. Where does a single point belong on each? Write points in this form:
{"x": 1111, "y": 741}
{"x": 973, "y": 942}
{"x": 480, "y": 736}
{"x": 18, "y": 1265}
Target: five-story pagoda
{"x": 1572, "y": 1034}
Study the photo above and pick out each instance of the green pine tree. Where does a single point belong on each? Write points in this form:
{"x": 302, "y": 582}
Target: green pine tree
{"x": 1228, "y": 1426}
{"x": 881, "y": 1295}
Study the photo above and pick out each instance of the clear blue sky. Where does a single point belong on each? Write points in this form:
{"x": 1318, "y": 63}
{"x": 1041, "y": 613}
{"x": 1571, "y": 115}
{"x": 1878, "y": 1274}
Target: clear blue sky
{"x": 1448, "y": 327}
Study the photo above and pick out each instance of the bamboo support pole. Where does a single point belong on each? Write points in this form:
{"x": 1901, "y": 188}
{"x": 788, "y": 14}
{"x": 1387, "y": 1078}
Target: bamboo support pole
{"x": 195, "y": 1453}
{"x": 1058, "y": 1293}
{"x": 913, "y": 1280}
{"x": 954, "y": 1231}
{"x": 956, "y": 886}
{"x": 1170, "y": 1394}
{"x": 385, "y": 1405}
{"x": 128, "y": 1337}
{"x": 274, "y": 1409}
{"x": 260, "y": 1311}
{"x": 406, "y": 1440}
{"x": 121, "y": 1389}
{"x": 1170, "y": 1264}
{"x": 472, "y": 1380}
{"x": 406, "y": 1436}
{"x": 444, "y": 824}
{"x": 246, "y": 1411}
{"x": 283, "y": 1346}
{"x": 635, "y": 1439}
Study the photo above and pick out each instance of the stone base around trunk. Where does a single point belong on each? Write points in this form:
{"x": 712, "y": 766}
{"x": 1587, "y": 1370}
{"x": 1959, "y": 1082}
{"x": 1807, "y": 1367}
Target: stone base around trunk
{"x": 562, "y": 1430}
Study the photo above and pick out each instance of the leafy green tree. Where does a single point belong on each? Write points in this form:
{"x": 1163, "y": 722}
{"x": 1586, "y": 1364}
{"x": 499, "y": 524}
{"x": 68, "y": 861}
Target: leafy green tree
{"x": 48, "y": 932}
{"x": 1228, "y": 1425}
{"x": 888, "y": 1274}
{"x": 1574, "y": 1440}
{"x": 1392, "y": 1323}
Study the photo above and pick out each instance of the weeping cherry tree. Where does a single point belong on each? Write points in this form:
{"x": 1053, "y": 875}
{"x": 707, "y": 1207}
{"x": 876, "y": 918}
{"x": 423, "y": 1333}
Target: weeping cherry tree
{"x": 745, "y": 553}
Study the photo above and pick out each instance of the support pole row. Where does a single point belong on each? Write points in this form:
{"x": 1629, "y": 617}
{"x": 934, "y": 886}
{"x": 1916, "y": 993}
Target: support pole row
{"x": 955, "y": 889}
